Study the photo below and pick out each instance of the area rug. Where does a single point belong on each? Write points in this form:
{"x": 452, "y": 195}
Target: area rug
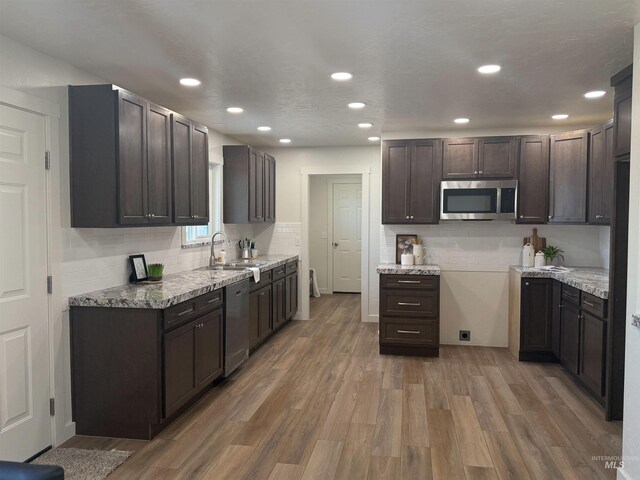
{"x": 80, "y": 464}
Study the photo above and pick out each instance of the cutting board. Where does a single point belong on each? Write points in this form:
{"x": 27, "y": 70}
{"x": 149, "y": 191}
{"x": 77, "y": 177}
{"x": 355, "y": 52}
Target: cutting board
{"x": 538, "y": 242}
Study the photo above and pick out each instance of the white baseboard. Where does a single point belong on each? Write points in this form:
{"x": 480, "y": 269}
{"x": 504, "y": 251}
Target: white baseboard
{"x": 371, "y": 318}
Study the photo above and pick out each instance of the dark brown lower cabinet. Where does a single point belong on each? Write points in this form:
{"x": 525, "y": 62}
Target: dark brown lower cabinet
{"x": 291, "y": 295}
{"x": 536, "y": 319}
{"x": 592, "y": 347}
{"x": 570, "y": 336}
{"x": 278, "y": 302}
{"x": 409, "y": 315}
{"x": 556, "y": 318}
{"x": 192, "y": 359}
{"x": 259, "y": 315}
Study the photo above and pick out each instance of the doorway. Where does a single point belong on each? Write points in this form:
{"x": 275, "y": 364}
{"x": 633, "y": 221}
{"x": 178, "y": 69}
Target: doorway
{"x": 25, "y": 424}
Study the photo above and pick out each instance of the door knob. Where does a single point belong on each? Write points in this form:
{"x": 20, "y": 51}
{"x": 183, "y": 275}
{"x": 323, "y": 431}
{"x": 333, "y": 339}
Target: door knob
{"x": 335, "y": 244}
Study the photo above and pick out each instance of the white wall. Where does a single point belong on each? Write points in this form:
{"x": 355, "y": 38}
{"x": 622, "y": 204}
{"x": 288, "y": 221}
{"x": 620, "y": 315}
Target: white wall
{"x": 84, "y": 259}
{"x": 631, "y": 424}
{"x": 318, "y": 257}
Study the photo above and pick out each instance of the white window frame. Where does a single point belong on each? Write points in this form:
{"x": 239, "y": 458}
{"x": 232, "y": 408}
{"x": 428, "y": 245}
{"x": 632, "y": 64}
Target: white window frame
{"x": 215, "y": 210}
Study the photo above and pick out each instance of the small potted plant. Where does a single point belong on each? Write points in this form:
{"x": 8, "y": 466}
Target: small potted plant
{"x": 551, "y": 253}
{"x": 154, "y": 271}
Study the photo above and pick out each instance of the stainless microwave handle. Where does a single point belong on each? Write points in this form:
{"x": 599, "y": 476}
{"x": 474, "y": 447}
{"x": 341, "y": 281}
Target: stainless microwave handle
{"x": 499, "y": 201}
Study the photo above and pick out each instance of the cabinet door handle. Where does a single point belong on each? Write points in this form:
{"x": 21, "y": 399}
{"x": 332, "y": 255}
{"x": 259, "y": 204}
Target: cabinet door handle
{"x": 214, "y": 300}
{"x": 593, "y": 305}
{"x": 521, "y": 216}
{"x": 409, "y": 304}
{"x": 262, "y": 294}
{"x": 526, "y": 284}
{"x": 550, "y": 217}
{"x": 411, "y": 217}
{"x": 186, "y": 312}
{"x": 408, "y": 281}
{"x": 407, "y": 217}
{"x": 480, "y": 172}
{"x": 475, "y": 172}
{"x": 412, "y": 332}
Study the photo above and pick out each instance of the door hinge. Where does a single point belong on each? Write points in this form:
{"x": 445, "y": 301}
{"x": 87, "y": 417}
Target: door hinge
{"x": 49, "y": 284}
{"x": 47, "y": 160}
{"x": 52, "y": 406}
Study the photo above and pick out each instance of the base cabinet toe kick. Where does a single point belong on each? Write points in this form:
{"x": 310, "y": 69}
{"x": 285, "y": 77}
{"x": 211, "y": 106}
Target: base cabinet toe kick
{"x": 409, "y": 315}
{"x": 135, "y": 370}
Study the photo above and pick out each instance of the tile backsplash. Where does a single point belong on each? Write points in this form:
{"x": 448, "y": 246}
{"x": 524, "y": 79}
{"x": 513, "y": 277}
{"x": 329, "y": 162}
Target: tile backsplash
{"x": 97, "y": 258}
{"x": 493, "y": 246}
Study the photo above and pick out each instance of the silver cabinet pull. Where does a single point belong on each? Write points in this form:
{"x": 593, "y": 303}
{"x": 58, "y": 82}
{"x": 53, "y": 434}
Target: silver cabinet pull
{"x": 408, "y": 281}
{"x": 550, "y": 217}
{"x": 214, "y": 300}
{"x": 521, "y": 216}
{"x": 480, "y": 172}
{"x": 409, "y": 304}
{"x": 593, "y": 305}
{"x": 526, "y": 284}
{"x": 185, "y": 312}
{"x": 412, "y": 332}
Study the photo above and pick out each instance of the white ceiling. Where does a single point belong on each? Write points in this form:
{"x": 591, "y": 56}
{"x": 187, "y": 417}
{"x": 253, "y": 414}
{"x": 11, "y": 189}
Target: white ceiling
{"x": 414, "y": 62}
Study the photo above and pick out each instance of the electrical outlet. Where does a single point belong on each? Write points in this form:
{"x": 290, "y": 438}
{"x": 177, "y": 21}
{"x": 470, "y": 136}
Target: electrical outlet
{"x": 298, "y": 241}
{"x": 464, "y": 336}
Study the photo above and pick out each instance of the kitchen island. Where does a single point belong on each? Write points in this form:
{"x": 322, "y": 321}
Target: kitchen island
{"x": 143, "y": 353}
{"x": 409, "y": 309}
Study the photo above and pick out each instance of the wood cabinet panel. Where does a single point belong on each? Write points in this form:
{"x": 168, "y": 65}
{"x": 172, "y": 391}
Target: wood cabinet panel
{"x": 568, "y": 177}
{"x": 254, "y": 319}
{"x": 459, "y": 158}
{"x": 424, "y": 182}
{"x": 278, "y": 302}
{"x": 132, "y": 159}
{"x": 179, "y": 368}
{"x": 570, "y": 337}
{"x": 536, "y": 315}
{"x": 266, "y": 312}
{"x": 396, "y": 159}
{"x": 592, "y": 348}
{"x": 159, "y": 176}
{"x": 497, "y": 157}
{"x": 533, "y": 179}
{"x": 601, "y": 168}
{"x": 556, "y": 319}
{"x": 208, "y": 348}
{"x": 256, "y": 186}
{"x": 291, "y": 295}
{"x": 182, "y": 174}
{"x": 200, "y": 174}
{"x": 409, "y": 303}
{"x": 401, "y": 331}
{"x": 269, "y": 189}
{"x": 622, "y": 117}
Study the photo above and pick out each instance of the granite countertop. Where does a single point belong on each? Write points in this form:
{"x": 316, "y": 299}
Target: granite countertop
{"x": 592, "y": 280}
{"x": 175, "y": 287}
{"x": 396, "y": 269}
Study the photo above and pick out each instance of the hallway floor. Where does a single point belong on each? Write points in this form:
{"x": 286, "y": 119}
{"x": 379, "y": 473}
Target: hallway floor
{"x": 317, "y": 401}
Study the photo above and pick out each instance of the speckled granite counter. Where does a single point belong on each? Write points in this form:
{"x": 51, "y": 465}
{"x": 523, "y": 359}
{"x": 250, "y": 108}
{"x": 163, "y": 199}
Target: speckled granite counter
{"x": 175, "y": 287}
{"x": 588, "y": 279}
{"x": 395, "y": 269}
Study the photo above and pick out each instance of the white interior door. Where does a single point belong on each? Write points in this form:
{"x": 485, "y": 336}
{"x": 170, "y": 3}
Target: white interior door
{"x": 347, "y": 236}
{"x": 25, "y": 425}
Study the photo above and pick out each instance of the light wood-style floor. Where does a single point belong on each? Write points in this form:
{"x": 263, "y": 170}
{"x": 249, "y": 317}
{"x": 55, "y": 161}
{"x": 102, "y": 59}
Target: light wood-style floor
{"x": 318, "y": 402}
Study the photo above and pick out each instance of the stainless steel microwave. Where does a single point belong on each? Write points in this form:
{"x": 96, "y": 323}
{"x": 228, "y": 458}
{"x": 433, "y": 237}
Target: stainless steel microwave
{"x": 479, "y": 200}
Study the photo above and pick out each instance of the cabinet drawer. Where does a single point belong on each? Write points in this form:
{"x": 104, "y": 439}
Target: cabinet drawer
{"x": 409, "y": 281}
{"x": 571, "y": 294}
{"x": 265, "y": 279}
{"x": 409, "y": 303}
{"x": 278, "y": 272}
{"x": 408, "y": 332}
{"x": 185, "y": 311}
{"x": 291, "y": 267}
{"x": 594, "y": 305}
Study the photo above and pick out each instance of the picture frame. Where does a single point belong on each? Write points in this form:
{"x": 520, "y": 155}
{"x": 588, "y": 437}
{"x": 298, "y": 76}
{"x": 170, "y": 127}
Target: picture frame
{"x": 138, "y": 268}
{"x": 400, "y": 239}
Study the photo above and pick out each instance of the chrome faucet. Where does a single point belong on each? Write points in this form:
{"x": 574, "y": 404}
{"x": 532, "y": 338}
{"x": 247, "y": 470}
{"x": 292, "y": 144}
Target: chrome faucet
{"x": 212, "y": 258}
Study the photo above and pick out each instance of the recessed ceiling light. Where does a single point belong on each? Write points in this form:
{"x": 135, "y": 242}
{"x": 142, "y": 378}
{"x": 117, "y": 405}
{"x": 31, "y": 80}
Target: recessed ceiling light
{"x": 489, "y": 69}
{"x": 285, "y": 140}
{"x": 595, "y": 94}
{"x": 365, "y": 125}
{"x": 235, "y": 110}
{"x": 264, "y": 128}
{"x": 190, "y": 82}
{"x": 560, "y": 116}
{"x": 461, "y": 120}
{"x": 356, "y": 105}
{"x": 341, "y": 76}
{"x": 373, "y": 139}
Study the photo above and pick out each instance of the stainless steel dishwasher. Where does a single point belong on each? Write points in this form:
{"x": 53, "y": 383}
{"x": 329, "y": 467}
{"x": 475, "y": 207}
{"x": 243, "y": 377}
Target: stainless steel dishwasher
{"x": 236, "y": 326}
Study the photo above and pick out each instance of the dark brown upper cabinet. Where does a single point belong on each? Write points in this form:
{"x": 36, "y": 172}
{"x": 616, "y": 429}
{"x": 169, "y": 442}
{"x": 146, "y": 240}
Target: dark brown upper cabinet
{"x": 483, "y": 157}
{"x": 533, "y": 179}
{"x": 622, "y": 82}
{"x": 249, "y": 185}
{"x": 601, "y": 168}
{"x": 568, "y": 177}
{"x": 121, "y": 159}
{"x": 190, "y": 156}
{"x": 410, "y": 181}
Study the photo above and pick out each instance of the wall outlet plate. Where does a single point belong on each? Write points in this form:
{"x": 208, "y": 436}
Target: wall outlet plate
{"x": 464, "y": 335}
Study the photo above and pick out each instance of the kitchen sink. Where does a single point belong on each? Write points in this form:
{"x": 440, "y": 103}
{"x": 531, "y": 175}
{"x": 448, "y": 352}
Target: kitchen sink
{"x": 224, "y": 267}
{"x": 240, "y": 264}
